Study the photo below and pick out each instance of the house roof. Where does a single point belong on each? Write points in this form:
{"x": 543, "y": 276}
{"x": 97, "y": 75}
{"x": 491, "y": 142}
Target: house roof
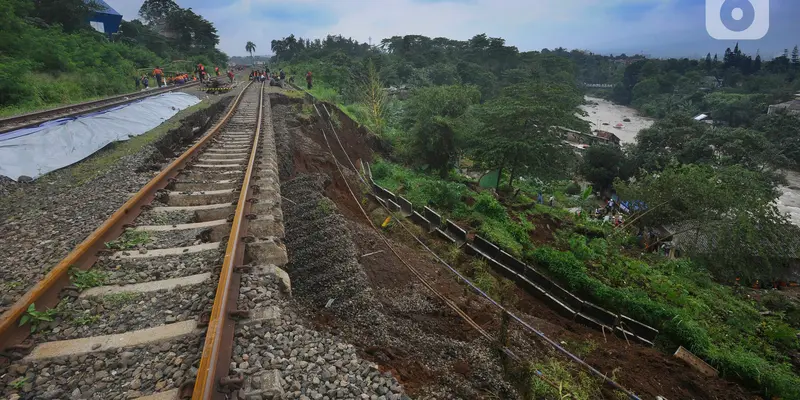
{"x": 700, "y": 117}
{"x": 106, "y": 9}
{"x": 793, "y": 105}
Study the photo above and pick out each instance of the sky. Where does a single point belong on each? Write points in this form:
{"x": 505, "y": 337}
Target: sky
{"x": 658, "y": 28}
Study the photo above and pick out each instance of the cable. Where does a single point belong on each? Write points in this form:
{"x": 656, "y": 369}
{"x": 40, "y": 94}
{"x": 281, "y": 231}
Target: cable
{"x": 467, "y": 281}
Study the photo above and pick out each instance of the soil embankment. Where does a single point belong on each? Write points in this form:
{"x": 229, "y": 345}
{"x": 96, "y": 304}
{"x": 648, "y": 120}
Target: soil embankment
{"x": 348, "y": 281}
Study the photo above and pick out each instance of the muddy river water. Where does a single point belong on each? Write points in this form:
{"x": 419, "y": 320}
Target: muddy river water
{"x": 605, "y": 115}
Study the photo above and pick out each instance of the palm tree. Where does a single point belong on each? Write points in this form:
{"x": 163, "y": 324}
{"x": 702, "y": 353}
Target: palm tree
{"x": 250, "y": 48}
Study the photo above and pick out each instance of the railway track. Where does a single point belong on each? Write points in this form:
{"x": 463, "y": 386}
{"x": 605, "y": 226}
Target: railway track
{"x": 146, "y": 306}
{"x": 35, "y": 118}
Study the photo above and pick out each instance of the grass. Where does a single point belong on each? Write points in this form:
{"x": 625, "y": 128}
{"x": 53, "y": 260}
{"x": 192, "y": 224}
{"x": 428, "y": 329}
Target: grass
{"x": 491, "y": 219}
{"x": 686, "y": 305}
{"x": 48, "y": 91}
{"x": 19, "y": 382}
{"x": 118, "y": 299}
{"x": 130, "y": 239}
{"x": 571, "y": 381}
{"x": 85, "y": 319}
{"x": 12, "y": 284}
{"x": 325, "y": 93}
{"x": 675, "y": 296}
{"x": 87, "y": 279}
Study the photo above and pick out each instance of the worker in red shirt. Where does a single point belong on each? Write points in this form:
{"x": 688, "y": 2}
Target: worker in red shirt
{"x": 201, "y": 70}
{"x": 158, "y": 74}
{"x": 308, "y": 79}
{"x": 230, "y": 75}
{"x": 216, "y": 69}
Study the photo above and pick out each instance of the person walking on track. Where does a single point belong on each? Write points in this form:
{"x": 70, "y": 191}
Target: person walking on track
{"x": 158, "y": 74}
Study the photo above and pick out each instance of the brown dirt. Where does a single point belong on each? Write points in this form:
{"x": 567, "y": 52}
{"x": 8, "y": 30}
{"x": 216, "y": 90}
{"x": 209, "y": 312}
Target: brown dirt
{"x": 545, "y": 227}
{"x": 645, "y": 371}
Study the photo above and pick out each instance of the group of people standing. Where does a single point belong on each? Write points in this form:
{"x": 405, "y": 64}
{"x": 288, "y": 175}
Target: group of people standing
{"x": 264, "y": 75}
{"x": 143, "y": 81}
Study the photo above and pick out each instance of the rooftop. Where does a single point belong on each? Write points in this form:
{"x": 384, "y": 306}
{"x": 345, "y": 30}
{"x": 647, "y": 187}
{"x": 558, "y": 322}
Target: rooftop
{"x": 793, "y": 105}
{"x": 106, "y": 9}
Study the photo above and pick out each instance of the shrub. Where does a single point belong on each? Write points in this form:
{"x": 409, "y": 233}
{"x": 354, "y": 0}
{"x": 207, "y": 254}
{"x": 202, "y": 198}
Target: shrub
{"x": 442, "y": 193}
{"x": 573, "y": 189}
{"x": 688, "y": 310}
{"x": 488, "y": 206}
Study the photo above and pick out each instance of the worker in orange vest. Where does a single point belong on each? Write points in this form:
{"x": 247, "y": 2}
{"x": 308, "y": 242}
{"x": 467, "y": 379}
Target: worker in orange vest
{"x": 201, "y": 70}
{"x": 158, "y": 74}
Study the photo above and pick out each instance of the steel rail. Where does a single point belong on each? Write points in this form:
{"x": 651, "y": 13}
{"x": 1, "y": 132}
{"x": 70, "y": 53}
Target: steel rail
{"x": 38, "y": 117}
{"x": 215, "y": 361}
{"x": 46, "y": 292}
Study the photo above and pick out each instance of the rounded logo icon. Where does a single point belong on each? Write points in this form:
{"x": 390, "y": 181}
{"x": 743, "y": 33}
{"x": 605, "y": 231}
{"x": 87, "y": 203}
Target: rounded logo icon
{"x": 737, "y": 15}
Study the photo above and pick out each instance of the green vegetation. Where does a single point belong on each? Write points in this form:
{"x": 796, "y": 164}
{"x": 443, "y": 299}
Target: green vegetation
{"x": 130, "y": 239}
{"x": 118, "y": 299}
{"x": 686, "y": 305}
{"x": 19, "y": 382}
{"x": 50, "y": 56}
{"x": 478, "y": 105}
{"x": 85, "y": 318}
{"x": 86, "y": 279}
{"x": 572, "y": 382}
{"x": 37, "y": 318}
{"x": 434, "y": 118}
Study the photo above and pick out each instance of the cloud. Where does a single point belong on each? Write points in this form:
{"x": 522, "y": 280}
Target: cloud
{"x": 658, "y": 27}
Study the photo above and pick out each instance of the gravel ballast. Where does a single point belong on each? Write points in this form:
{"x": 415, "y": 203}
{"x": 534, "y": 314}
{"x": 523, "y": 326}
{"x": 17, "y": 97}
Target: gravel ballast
{"x": 41, "y": 222}
{"x": 111, "y": 375}
{"x": 118, "y": 313}
{"x": 129, "y": 271}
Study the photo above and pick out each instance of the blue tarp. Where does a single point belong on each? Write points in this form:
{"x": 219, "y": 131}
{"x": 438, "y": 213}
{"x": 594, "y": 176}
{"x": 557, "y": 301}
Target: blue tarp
{"x": 108, "y": 16}
{"x": 38, "y": 150}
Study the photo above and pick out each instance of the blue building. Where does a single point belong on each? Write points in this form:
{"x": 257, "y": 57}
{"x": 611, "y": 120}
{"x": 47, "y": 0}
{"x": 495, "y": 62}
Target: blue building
{"x": 106, "y": 19}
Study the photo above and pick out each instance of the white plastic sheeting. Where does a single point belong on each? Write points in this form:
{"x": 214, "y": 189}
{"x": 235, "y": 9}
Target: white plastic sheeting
{"x": 56, "y": 144}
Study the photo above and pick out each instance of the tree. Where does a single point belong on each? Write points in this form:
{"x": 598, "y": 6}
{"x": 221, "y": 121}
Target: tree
{"x": 156, "y": 12}
{"x": 722, "y": 216}
{"x": 72, "y": 15}
{"x": 433, "y": 117}
{"x": 795, "y": 57}
{"x": 250, "y": 47}
{"x": 373, "y": 95}
{"x": 671, "y": 140}
{"x": 517, "y": 130}
{"x": 783, "y": 131}
{"x": 602, "y": 164}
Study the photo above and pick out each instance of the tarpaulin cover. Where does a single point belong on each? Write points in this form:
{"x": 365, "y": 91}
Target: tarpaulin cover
{"x": 56, "y": 144}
